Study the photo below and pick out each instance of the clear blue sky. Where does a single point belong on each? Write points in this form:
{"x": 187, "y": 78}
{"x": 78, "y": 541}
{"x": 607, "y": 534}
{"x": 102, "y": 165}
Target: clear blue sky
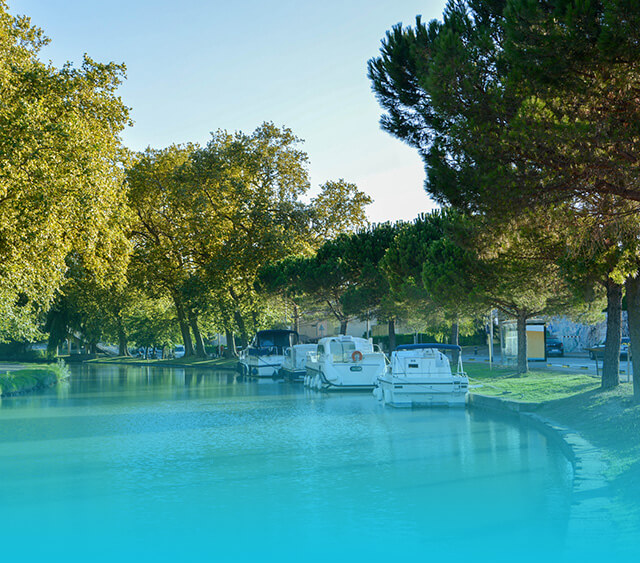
{"x": 194, "y": 66}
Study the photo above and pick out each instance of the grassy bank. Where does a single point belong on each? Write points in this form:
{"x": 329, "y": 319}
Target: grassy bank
{"x": 218, "y": 363}
{"x": 608, "y": 419}
{"x": 538, "y": 386}
{"x": 30, "y": 378}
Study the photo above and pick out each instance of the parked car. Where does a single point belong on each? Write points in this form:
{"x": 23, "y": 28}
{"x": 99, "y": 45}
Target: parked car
{"x": 179, "y": 351}
{"x": 554, "y": 345}
{"x": 599, "y": 349}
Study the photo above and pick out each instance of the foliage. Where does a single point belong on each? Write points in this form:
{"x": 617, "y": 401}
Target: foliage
{"x": 152, "y": 323}
{"x": 60, "y": 179}
{"x": 209, "y": 218}
{"x": 428, "y": 270}
{"x": 339, "y": 208}
{"x": 523, "y": 105}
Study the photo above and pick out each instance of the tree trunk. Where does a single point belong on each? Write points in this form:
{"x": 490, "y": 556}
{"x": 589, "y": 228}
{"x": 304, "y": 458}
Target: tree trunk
{"x": 455, "y": 334}
{"x": 633, "y": 313}
{"x": 296, "y": 318}
{"x": 184, "y": 326}
{"x": 123, "y": 349}
{"x": 392, "y": 335}
{"x": 611, "y": 362}
{"x": 230, "y": 351}
{"x": 197, "y": 335}
{"x": 343, "y": 326}
{"x": 242, "y": 328}
{"x": 523, "y": 364}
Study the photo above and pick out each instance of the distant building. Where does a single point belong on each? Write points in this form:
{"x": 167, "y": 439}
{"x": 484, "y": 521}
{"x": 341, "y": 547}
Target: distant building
{"x": 315, "y": 330}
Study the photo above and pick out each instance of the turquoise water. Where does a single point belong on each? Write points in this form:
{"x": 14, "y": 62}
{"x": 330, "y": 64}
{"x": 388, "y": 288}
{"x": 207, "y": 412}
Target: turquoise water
{"x": 149, "y": 464}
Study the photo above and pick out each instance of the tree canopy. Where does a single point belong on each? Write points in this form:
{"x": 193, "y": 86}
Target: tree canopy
{"x": 61, "y": 182}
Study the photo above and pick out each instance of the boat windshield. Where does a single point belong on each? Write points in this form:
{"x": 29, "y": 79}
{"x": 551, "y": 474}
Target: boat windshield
{"x": 341, "y": 350}
{"x": 278, "y": 339}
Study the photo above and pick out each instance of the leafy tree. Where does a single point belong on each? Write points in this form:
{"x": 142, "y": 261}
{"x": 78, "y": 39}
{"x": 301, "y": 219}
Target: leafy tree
{"x": 464, "y": 265}
{"x": 152, "y": 323}
{"x": 368, "y": 294}
{"x": 162, "y": 261}
{"x": 519, "y": 105}
{"x": 242, "y": 199}
{"x": 60, "y": 179}
{"x": 596, "y": 259}
{"x": 338, "y": 208}
{"x": 407, "y": 260}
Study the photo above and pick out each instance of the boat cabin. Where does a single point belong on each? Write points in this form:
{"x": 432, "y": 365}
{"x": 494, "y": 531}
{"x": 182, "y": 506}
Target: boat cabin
{"x": 273, "y": 342}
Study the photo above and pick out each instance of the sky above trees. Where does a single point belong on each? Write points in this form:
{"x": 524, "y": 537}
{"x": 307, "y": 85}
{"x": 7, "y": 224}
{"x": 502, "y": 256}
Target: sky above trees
{"x": 196, "y": 66}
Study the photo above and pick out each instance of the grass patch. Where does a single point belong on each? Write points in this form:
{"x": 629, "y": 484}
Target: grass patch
{"x": 536, "y": 386}
{"x": 32, "y": 377}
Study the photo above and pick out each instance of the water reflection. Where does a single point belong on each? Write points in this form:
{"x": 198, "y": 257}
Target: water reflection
{"x": 188, "y": 464}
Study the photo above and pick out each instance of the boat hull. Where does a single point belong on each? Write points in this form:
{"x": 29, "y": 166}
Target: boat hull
{"x": 261, "y": 366}
{"x": 294, "y": 376}
{"x": 422, "y": 394}
{"x": 339, "y": 382}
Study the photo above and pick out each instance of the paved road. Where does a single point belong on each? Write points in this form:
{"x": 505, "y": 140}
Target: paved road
{"x": 570, "y": 364}
{"x": 4, "y": 367}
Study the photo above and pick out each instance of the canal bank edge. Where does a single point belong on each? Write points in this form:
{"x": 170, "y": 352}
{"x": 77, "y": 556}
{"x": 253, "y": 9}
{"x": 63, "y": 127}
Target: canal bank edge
{"x": 26, "y": 380}
{"x": 591, "y": 506}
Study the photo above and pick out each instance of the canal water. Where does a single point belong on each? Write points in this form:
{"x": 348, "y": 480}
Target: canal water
{"x": 127, "y": 463}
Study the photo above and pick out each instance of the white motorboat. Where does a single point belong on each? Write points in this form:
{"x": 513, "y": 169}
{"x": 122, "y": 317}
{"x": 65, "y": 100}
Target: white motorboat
{"x": 421, "y": 375}
{"x": 265, "y": 355}
{"x": 294, "y": 366}
{"x": 344, "y": 362}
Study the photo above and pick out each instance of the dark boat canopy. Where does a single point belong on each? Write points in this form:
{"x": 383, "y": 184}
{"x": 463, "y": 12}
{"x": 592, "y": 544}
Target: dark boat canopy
{"x": 277, "y": 338}
{"x": 430, "y": 345}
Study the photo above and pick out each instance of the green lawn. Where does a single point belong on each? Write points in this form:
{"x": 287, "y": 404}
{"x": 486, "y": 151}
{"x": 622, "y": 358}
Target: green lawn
{"x": 32, "y": 376}
{"x": 537, "y": 386}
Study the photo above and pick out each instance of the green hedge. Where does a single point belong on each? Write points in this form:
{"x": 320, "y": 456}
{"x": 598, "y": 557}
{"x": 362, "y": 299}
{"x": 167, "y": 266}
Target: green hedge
{"x": 17, "y": 352}
{"x": 477, "y": 339}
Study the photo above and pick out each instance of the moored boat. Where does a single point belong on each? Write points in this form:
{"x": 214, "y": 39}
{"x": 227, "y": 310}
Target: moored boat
{"x": 421, "y": 375}
{"x": 344, "y": 363}
{"x": 265, "y": 355}
{"x": 294, "y": 366}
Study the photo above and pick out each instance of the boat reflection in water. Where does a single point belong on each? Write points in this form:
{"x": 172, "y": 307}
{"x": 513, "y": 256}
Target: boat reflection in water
{"x": 153, "y": 465}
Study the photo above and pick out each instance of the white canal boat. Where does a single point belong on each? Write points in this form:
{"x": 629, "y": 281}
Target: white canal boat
{"x": 421, "y": 375}
{"x": 344, "y": 363}
{"x": 294, "y": 366}
{"x": 265, "y": 355}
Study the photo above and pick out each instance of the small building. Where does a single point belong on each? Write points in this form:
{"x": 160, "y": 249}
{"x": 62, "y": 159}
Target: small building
{"x": 536, "y": 340}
